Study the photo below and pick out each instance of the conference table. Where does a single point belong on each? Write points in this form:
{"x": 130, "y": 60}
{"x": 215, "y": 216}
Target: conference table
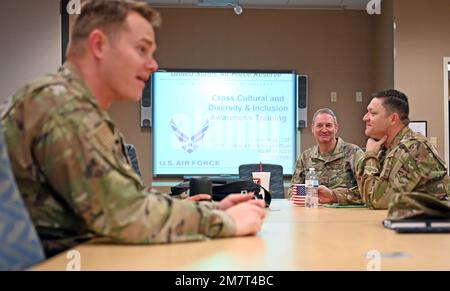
{"x": 292, "y": 238}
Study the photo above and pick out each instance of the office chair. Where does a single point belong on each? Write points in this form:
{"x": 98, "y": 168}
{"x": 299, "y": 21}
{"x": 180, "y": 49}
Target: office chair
{"x": 20, "y": 246}
{"x": 276, "y": 176}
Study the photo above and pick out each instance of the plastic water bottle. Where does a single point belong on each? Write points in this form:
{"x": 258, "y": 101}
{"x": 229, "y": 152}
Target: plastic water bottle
{"x": 312, "y": 183}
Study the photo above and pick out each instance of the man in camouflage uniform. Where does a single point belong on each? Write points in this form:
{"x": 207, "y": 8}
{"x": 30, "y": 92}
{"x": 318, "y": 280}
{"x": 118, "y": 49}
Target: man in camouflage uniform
{"x": 69, "y": 158}
{"x": 397, "y": 160}
{"x": 333, "y": 159}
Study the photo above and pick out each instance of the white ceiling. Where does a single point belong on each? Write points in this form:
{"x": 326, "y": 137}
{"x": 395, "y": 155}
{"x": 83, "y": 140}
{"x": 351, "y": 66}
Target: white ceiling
{"x": 279, "y": 4}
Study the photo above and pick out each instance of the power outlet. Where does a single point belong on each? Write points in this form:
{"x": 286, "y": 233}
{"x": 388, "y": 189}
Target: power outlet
{"x": 359, "y": 96}
{"x": 333, "y": 96}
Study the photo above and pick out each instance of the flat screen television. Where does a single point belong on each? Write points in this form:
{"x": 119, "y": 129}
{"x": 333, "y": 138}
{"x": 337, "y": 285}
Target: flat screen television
{"x": 210, "y": 122}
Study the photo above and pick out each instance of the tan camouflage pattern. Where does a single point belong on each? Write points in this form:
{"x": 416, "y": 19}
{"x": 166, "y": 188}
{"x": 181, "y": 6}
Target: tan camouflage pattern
{"x": 335, "y": 170}
{"x": 410, "y": 164}
{"x": 76, "y": 179}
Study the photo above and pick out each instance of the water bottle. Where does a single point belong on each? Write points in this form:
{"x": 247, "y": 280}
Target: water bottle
{"x": 312, "y": 183}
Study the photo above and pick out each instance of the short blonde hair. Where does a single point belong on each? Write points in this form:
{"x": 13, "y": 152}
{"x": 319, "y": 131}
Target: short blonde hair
{"x": 108, "y": 16}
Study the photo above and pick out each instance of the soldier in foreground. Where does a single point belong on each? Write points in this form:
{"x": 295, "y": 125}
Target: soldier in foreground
{"x": 334, "y": 161}
{"x": 69, "y": 158}
{"x": 397, "y": 160}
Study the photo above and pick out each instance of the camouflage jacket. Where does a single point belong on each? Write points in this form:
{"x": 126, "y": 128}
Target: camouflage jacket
{"x": 72, "y": 170}
{"x": 335, "y": 170}
{"x": 410, "y": 164}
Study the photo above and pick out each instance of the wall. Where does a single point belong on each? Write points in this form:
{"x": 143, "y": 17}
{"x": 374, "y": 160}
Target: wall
{"x": 334, "y": 48}
{"x": 383, "y": 57}
{"x": 30, "y": 33}
{"x": 422, "y": 41}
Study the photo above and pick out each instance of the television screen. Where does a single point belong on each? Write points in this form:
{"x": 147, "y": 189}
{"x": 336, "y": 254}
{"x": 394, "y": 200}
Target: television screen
{"x": 210, "y": 122}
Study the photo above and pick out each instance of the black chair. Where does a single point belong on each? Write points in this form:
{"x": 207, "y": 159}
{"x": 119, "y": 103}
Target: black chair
{"x": 20, "y": 246}
{"x": 276, "y": 176}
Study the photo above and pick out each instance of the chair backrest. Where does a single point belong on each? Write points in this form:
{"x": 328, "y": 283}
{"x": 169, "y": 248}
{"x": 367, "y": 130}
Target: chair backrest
{"x": 276, "y": 176}
{"x": 20, "y": 246}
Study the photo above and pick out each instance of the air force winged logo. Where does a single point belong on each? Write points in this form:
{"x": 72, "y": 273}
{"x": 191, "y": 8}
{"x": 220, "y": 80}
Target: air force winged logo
{"x": 189, "y": 143}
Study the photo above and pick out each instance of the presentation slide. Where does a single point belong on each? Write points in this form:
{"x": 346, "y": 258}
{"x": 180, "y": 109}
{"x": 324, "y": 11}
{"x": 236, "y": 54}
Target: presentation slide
{"x": 209, "y": 123}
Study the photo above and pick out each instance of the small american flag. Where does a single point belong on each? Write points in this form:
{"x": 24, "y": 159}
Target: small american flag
{"x": 299, "y": 190}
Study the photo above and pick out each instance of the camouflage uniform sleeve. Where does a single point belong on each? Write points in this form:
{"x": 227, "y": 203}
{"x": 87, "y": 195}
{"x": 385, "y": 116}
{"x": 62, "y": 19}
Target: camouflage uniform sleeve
{"x": 399, "y": 173}
{"x": 78, "y": 157}
{"x": 299, "y": 174}
{"x": 350, "y": 195}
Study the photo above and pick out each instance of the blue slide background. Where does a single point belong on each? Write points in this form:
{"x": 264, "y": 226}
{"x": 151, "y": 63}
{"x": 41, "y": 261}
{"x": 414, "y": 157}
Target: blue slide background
{"x": 211, "y": 122}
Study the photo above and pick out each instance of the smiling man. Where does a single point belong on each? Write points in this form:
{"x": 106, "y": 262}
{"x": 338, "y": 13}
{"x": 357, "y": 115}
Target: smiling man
{"x": 334, "y": 161}
{"x": 69, "y": 158}
{"x": 397, "y": 160}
